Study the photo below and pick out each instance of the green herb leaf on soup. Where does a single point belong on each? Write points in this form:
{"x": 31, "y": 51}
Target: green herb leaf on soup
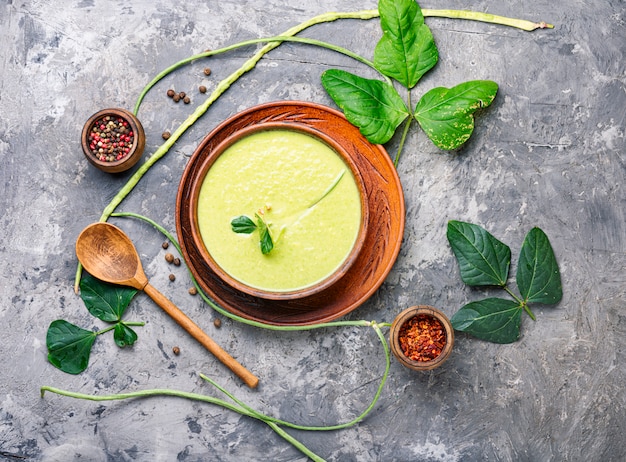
{"x": 124, "y": 335}
{"x": 372, "y": 105}
{"x": 447, "y": 114}
{"x": 243, "y": 225}
{"x": 493, "y": 319}
{"x": 267, "y": 244}
{"x": 103, "y": 300}
{"x": 69, "y": 346}
{"x": 538, "y": 277}
{"x": 407, "y": 49}
{"x": 483, "y": 260}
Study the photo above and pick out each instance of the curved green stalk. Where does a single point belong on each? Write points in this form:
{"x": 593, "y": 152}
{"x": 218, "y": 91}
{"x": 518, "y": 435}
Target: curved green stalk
{"x": 277, "y": 40}
{"x": 350, "y": 423}
{"x": 486, "y": 17}
{"x": 272, "y": 422}
{"x": 193, "y": 396}
{"x": 405, "y": 132}
{"x": 365, "y": 14}
{"x": 240, "y": 407}
{"x": 105, "y": 330}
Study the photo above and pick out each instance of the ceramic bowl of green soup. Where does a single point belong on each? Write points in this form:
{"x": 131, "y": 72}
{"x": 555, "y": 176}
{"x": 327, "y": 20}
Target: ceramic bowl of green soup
{"x": 280, "y": 211}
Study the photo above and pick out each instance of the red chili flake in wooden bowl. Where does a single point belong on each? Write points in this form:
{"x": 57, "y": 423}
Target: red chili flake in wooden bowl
{"x": 422, "y": 338}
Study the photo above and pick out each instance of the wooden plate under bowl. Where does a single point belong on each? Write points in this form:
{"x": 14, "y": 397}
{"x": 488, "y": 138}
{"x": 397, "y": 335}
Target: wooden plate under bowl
{"x": 385, "y": 224}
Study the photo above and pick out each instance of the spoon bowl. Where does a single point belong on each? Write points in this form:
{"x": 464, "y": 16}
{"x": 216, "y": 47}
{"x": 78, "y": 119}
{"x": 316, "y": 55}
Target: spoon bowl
{"x": 108, "y": 254}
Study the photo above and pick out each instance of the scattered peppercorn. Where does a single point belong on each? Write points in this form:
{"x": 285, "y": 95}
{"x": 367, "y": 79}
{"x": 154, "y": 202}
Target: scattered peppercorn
{"x": 111, "y": 138}
{"x": 166, "y": 135}
{"x": 165, "y": 244}
{"x": 186, "y": 100}
{"x": 171, "y": 93}
{"x": 207, "y": 71}
{"x": 172, "y": 277}
{"x": 193, "y": 291}
{"x": 176, "y": 350}
{"x": 169, "y": 257}
{"x": 202, "y": 89}
{"x": 176, "y": 261}
{"x": 176, "y": 98}
{"x": 217, "y": 322}
{"x": 422, "y": 338}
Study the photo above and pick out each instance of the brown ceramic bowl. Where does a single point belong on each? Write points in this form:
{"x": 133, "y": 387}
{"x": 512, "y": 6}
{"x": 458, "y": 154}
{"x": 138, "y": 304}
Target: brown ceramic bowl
{"x": 384, "y": 230}
{"x": 135, "y": 150}
{"x": 270, "y": 294}
{"x": 407, "y": 315}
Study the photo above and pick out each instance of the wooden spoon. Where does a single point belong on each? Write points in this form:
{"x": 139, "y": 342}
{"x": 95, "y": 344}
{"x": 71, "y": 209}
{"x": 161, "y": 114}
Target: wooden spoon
{"x": 108, "y": 254}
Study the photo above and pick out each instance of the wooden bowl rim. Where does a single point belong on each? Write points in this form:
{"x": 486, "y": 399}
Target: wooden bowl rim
{"x": 212, "y": 157}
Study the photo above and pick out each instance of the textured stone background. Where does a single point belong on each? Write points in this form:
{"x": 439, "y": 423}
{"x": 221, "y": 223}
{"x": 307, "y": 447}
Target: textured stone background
{"x": 549, "y": 152}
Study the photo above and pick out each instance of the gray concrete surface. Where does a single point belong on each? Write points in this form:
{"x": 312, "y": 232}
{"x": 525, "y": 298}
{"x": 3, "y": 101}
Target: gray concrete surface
{"x": 548, "y": 153}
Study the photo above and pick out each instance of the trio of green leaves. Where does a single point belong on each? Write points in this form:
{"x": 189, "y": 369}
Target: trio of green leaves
{"x": 69, "y": 346}
{"x": 405, "y": 53}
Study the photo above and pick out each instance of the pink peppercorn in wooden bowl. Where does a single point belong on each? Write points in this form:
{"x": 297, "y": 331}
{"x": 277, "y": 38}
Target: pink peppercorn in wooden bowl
{"x": 113, "y": 140}
{"x": 421, "y": 338}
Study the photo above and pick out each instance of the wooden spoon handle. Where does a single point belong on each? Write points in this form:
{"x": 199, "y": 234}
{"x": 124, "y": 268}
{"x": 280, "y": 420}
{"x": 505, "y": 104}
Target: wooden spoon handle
{"x": 196, "y": 332}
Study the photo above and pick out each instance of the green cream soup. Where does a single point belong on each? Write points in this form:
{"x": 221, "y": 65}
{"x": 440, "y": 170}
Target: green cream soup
{"x": 283, "y": 174}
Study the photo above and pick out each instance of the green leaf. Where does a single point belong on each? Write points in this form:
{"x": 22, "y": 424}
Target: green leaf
{"x": 447, "y": 114}
{"x": 372, "y": 105}
{"x": 243, "y": 225}
{"x": 407, "y": 50}
{"x": 69, "y": 346}
{"x": 493, "y": 319}
{"x": 483, "y": 260}
{"x": 103, "y": 300}
{"x": 267, "y": 244}
{"x": 538, "y": 277}
{"x": 124, "y": 335}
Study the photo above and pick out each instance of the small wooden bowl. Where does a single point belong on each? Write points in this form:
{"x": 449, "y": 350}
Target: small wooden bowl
{"x": 405, "y": 316}
{"x": 136, "y": 149}
{"x": 287, "y": 294}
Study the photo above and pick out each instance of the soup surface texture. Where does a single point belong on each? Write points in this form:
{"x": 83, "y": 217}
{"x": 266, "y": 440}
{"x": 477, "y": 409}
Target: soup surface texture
{"x": 280, "y": 175}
